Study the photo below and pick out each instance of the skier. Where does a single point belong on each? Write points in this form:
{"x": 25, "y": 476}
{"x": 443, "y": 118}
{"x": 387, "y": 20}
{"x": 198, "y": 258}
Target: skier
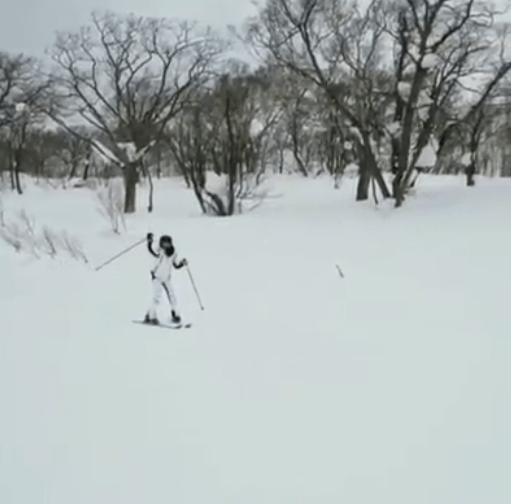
{"x": 161, "y": 274}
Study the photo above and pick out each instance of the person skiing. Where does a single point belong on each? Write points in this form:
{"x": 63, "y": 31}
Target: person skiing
{"x": 161, "y": 274}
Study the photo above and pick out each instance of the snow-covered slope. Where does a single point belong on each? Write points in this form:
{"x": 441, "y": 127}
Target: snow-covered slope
{"x": 388, "y": 386}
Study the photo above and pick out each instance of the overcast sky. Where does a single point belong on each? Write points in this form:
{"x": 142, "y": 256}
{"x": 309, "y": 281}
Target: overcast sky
{"x": 28, "y": 26}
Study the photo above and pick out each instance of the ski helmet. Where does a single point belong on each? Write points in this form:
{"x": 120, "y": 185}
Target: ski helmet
{"x": 166, "y": 244}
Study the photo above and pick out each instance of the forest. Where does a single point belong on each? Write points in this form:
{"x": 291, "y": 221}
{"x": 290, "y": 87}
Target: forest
{"x": 383, "y": 93}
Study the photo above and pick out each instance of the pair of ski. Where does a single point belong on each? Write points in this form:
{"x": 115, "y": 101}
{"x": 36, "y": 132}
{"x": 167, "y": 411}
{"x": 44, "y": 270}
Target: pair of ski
{"x": 170, "y": 325}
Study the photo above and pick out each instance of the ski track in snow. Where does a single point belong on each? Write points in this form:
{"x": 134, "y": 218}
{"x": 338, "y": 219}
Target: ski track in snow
{"x": 294, "y": 385}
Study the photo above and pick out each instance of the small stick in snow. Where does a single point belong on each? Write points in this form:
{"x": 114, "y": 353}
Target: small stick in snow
{"x": 339, "y": 270}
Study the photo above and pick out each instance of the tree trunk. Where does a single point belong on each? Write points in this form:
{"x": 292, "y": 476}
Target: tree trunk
{"x": 363, "y": 182}
{"x": 11, "y": 172}
{"x": 298, "y": 158}
{"x": 74, "y": 166}
{"x": 369, "y": 169}
{"x": 281, "y": 159}
{"x": 405, "y": 140}
{"x": 375, "y": 194}
{"x": 130, "y": 187}
{"x": 86, "y": 169}
{"x": 233, "y": 160}
{"x": 231, "y": 193}
{"x": 11, "y": 166}
{"x": 13, "y": 182}
{"x": 470, "y": 172}
{"x": 378, "y": 177}
{"x": 198, "y": 186}
{"x": 186, "y": 176}
{"x": 397, "y": 189}
{"x": 17, "y": 165}
{"x": 397, "y": 193}
{"x": 219, "y": 209}
{"x": 150, "y": 205}
{"x": 158, "y": 161}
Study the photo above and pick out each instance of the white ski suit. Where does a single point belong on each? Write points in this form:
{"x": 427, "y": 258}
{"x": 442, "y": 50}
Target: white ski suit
{"x": 161, "y": 275}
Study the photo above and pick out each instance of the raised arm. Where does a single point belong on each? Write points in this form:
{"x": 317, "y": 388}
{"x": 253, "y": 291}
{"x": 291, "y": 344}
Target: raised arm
{"x": 150, "y": 238}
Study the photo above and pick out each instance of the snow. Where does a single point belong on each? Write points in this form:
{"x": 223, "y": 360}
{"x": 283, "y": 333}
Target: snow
{"x": 21, "y": 107}
{"x": 256, "y": 127}
{"x": 355, "y": 132}
{"x": 404, "y": 89}
{"x": 430, "y": 61}
{"x": 427, "y": 157}
{"x": 466, "y": 159}
{"x": 104, "y": 154}
{"x": 424, "y": 99}
{"x": 217, "y": 184}
{"x": 351, "y": 170}
{"x": 388, "y": 386}
{"x": 129, "y": 149}
{"x": 394, "y": 128}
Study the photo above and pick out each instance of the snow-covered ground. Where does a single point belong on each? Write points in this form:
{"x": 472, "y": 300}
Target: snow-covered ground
{"x": 294, "y": 386}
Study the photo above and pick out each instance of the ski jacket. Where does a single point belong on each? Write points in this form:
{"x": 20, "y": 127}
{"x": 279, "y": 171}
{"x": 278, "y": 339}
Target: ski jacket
{"x": 162, "y": 269}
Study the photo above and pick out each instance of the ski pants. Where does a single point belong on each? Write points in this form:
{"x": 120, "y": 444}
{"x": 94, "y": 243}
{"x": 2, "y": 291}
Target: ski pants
{"x": 160, "y": 286}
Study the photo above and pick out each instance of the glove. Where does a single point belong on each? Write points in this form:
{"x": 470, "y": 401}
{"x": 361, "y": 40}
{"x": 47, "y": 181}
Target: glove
{"x": 180, "y": 264}
{"x": 150, "y": 237}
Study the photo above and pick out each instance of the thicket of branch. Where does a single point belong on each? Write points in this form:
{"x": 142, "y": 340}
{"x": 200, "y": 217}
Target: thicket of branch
{"x": 22, "y": 234}
{"x": 110, "y": 198}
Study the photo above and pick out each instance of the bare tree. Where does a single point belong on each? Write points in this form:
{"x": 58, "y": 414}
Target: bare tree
{"x": 224, "y": 135}
{"x": 74, "y": 151}
{"x": 129, "y": 76}
{"x": 474, "y": 121}
{"x": 299, "y": 109}
{"x": 23, "y": 91}
{"x": 337, "y": 47}
{"x": 441, "y": 48}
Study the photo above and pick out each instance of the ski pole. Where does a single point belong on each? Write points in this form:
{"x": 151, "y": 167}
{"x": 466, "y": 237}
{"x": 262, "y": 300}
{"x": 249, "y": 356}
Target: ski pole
{"x": 121, "y": 253}
{"x": 194, "y": 287}
{"x": 340, "y": 271}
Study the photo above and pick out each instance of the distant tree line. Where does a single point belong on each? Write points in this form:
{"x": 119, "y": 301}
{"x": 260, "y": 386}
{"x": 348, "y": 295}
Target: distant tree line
{"x": 383, "y": 92}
